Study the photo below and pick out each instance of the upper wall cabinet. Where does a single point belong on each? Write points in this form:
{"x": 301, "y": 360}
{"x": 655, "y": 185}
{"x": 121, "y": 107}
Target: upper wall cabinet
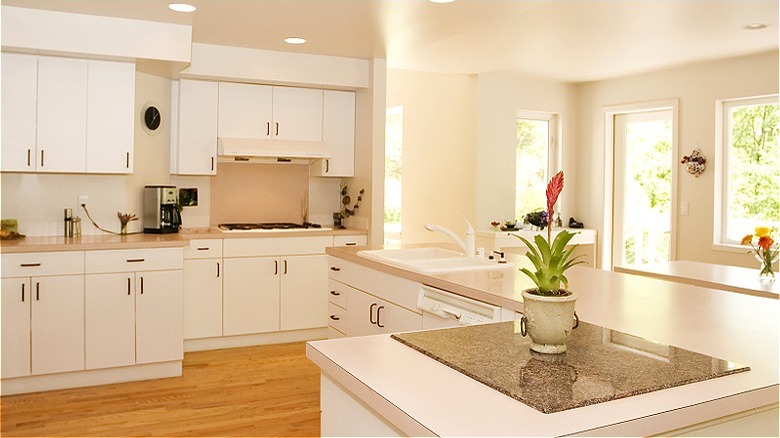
{"x": 270, "y": 112}
{"x": 194, "y": 140}
{"x": 67, "y": 115}
{"x": 338, "y": 134}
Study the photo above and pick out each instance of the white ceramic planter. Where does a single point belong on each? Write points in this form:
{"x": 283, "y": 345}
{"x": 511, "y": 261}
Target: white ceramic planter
{"x": 548, "y": 321}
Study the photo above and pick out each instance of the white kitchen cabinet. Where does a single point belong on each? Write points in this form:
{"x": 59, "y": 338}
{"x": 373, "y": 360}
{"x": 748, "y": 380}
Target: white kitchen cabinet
{"x": 369, "y": 315}
{"x": 245, "y": 110}
{"x": 19, "y": 103}
{"x": 62, "y": 114}
{"x": 356, "y": 240}
{"x": 133, "y": 307}
{"x": 251, "y": 295}
{"x": 42, "y": 313}
{"x": 203, "y": 289}
{"x": 297, "y": 114}
{"x": 194, "y": 143}
{"x": 110, "y": 117}
{"x": 304, "y": 282}
{"x": 338, "y": 135}
{"x": 270, "y": 113}
{"x": 15, "y": 329}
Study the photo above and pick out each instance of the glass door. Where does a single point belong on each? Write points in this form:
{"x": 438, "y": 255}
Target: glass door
{"x": 642, "y": 188}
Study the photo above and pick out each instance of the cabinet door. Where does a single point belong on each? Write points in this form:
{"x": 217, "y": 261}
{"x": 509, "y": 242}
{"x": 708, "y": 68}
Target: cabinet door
{"x": 202, "y": 298}
{"x": 62, "y": 114}
{"x": 158, "y": 316}
{"x": 57, "y": 324}
{"x": 338, "y": 134}
{"x": 251, "y": 296}
{"x": 109, "y": 303}
{"x": 297, "y": 114}
{"x": 244, "y": 111}
{"x": 304, "y": 292}
{"x": 19, "y": 97}
{"x": 393, "y": 319}
{"x": 361, "y": 313}
{"x": 15, "y": 354}
{"x": 197, "y": 139}
{"x": 110, "y": 117}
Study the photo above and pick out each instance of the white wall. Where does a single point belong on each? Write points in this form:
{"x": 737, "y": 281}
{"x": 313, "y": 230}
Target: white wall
{"x": 697, "y": 87}
{"x": 439, "y": 151}
{"x": 499, "y": 96}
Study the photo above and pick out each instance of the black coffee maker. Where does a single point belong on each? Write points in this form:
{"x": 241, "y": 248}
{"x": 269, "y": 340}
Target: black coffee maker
{"x": 161, "y": 212}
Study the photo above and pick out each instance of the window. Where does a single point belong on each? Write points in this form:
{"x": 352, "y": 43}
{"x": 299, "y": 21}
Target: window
{"x": 534, "y": 158}
{"x": 394, "y": 134}
{"x": 750, "y": 173}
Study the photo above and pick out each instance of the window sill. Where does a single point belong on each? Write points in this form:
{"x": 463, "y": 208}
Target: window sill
{"x": 730, "y": 247}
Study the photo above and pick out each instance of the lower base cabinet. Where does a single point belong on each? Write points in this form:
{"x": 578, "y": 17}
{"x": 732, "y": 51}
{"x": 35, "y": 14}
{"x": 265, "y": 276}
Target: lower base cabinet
{"x": 133, "y": 318}
{"x": 250, "y": 296}
{"x": 369, "y": 315}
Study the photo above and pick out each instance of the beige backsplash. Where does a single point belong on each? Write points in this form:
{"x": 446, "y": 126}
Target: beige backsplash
{"x": 258, "y": 192}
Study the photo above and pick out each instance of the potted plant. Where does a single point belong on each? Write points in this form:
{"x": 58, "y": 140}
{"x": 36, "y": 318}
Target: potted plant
{"x": 548, "y": 309}
{"x": 765, "y": 250}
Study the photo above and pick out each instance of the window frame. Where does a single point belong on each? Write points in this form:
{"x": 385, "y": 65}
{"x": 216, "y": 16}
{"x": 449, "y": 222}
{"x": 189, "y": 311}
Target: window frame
{"x": 722, "y": 153}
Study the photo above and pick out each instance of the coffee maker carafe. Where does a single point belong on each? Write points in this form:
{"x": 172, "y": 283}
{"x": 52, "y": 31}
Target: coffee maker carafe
{"x": 161, "y": 214}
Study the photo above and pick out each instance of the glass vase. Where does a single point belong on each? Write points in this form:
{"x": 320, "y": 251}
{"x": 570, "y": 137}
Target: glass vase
{"x": 767, "y": 258}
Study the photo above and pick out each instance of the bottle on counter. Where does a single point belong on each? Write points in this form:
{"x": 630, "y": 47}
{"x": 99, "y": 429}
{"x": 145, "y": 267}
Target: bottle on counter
{"x": 68, "y": 222}
{"x": 76, "y": 226}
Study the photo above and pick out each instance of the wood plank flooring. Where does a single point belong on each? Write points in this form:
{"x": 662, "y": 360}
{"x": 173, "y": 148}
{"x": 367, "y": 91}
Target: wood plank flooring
{"x": 270, "y": 390}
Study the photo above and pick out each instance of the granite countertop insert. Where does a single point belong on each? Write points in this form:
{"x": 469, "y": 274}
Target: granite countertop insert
{"x": 600, "y": 364}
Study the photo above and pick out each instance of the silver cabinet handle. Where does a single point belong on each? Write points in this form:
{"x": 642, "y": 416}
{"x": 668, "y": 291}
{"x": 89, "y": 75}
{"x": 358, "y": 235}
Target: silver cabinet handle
{"x": 371, "y": 313}
{"x": 377, "y": 316}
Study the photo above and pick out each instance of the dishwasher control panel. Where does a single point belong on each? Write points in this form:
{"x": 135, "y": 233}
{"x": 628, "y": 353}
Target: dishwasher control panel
{"x": 445, "y": 309}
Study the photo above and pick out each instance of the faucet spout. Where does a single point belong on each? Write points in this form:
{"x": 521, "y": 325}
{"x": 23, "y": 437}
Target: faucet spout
{"x": 468, "y": 246}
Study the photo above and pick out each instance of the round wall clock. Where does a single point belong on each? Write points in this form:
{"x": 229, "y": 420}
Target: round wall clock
{"x": 151, "y": 118}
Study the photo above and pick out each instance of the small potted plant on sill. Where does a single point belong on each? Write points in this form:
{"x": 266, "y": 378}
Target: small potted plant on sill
{"x": 548, "y": 309}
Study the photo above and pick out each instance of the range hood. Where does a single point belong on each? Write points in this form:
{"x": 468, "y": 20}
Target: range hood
{"x": 269, "y": 151}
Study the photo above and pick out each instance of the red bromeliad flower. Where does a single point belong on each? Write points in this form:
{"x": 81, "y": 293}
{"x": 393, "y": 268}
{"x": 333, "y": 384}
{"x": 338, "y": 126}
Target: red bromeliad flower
{"x": 554, "y": 189}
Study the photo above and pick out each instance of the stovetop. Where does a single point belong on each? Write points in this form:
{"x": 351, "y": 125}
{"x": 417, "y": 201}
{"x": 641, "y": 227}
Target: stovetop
{"x": 268, "y": 226}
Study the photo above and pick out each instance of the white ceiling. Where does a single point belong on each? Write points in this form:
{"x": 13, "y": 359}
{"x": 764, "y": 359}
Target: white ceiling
{"x": 567, "y": 40}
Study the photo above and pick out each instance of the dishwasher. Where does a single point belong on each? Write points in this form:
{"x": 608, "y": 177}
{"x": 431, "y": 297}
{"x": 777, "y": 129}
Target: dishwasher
{"x": 441, "y": 309}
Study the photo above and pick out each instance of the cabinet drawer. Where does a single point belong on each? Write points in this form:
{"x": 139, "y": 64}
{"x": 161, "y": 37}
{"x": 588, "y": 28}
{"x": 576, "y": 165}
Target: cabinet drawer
{"x": 337, "y": 269}
{"x": 133, "y": 260}
{"x": 203, "y": 249}
{"x": 337, "y": 293}
{"x": 349, "y": 240}
{"x": 42, "y": 263}
{"x": 337, "y": 317}
{"x": 276, "y": 246}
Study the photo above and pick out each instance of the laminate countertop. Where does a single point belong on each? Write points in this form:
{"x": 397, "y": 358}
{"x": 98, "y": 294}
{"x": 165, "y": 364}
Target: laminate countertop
{"x": 142, "y": 240}
{"x": 422, "y": 396}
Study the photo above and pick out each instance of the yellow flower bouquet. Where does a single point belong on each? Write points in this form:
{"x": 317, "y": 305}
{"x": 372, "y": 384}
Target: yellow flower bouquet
{"x": 765, "y": 250}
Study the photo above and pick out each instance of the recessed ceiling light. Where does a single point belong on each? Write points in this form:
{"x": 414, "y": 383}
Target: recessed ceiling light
{"x": 755, "y": 26}
{"x": 181, "y": 7}
{"x": 295, "y": 40}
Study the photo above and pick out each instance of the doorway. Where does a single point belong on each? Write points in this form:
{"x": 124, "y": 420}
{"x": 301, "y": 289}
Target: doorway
{"x": 643, "y": 195}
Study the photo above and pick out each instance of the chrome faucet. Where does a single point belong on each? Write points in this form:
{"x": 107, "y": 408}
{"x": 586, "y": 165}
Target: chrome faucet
{"x": 468, "y": 246}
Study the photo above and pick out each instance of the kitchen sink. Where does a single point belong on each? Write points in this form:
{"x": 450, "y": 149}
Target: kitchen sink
{"x": 430, "y": 260}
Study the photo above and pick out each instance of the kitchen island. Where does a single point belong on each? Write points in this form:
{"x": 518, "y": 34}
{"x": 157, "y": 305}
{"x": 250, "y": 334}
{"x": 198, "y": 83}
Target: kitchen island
{"x": 398, "y": 390}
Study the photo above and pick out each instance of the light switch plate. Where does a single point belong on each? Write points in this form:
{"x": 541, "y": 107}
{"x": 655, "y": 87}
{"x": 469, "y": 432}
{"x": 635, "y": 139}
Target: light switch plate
{"x": 684, "y": 208}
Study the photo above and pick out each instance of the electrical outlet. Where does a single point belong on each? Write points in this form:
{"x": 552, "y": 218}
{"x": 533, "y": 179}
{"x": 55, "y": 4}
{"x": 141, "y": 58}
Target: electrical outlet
{"x": 83, "y": 200}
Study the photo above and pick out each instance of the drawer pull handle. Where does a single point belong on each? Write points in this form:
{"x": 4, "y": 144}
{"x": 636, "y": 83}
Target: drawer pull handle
{"x": 351, "y": 243}
{"x": 203, "y": 248}
{"x": 371, "y": 313}
{"x": 333, "y": 268}
{"x": 377, "y": 316}
{"x": 30, "y": 265}
{"x": 334, "y": 293}
{"x": 135, "y": 260}
{"x": 334, "y": 317}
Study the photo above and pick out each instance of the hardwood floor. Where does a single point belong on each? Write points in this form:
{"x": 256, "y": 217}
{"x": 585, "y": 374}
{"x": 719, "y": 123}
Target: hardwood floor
{"x": 270, "y": 390}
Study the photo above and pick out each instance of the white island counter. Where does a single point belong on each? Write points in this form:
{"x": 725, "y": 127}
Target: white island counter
{"x": 412, "y": 394}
